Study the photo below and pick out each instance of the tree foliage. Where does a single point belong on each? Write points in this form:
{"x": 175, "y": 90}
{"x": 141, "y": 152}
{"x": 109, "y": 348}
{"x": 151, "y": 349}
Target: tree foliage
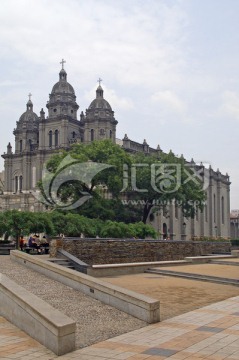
{"x": 163, "y": 180}
{"x": 55, "y": 223}
{"x": 20, "y": 223}
{"x": 152, "y": 181}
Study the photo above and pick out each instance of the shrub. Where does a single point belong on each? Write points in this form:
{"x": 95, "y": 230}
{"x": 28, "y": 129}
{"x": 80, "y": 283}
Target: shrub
{"x": 235, "y": 242}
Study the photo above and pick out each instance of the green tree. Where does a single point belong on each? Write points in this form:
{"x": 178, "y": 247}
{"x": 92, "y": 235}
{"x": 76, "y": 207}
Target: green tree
{"x": 78, "y": 224}
{"x": 16, "y": 223}
{"x": 105, "y": 182}
{"x": 40, "y": 223}
{"x": 113, "y": 229}
{"x": 58, "y": 220}
{"x": 162, "y": 180}
{"x": 149, "y": 181}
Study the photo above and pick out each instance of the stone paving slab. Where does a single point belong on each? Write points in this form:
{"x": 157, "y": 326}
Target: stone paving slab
{"x": 16, "y": 344}
{"x": 210, "y": 333}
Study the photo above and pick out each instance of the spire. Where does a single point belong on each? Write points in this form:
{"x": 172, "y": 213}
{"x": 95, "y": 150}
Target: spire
{"x": 99, "y": 91}
{"x": 62, "y": 73}
{"x": 29, "y": 103}
{"x": 145, "y": 146}
{"x": 9, "y": 149}
{"x": 42, "y": 114}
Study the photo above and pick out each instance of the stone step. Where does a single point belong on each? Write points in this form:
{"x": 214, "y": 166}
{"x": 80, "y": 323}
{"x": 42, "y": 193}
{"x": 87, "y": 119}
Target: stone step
{"x": 215, "y": 279}
{"x": 63, "y": 262}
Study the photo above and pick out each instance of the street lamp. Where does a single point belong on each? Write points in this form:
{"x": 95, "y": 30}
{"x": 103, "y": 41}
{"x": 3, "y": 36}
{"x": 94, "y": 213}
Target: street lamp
{"x": 216, "y": 230}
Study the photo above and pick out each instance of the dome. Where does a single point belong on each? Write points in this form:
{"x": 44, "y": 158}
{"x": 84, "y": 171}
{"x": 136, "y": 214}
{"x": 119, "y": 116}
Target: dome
{"x": 29, "y": 117}
{"x": 62, "y": 99}
{"x": 62, "y": 86}
{"x": 100, "y": 102}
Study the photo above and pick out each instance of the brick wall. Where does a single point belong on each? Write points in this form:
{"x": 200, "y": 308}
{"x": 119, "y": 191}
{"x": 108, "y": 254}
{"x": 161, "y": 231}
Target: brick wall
{"x": 107, "y": 251}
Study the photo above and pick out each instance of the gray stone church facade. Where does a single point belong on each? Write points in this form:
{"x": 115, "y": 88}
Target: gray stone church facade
{"x": 37, "y": 138}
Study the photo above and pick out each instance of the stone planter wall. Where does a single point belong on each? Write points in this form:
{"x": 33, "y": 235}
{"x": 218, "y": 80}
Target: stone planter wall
{"x": 111, "y": 251}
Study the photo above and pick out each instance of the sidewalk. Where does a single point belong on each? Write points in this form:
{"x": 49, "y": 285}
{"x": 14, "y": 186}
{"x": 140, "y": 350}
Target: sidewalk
{"x": 210, "y": 333}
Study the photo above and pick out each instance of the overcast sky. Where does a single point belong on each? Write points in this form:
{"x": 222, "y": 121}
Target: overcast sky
{"x": 170, "y": 69}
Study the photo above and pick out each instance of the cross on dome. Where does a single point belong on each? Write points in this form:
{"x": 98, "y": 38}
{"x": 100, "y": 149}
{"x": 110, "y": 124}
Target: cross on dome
{"x": 30, "y": 95}
{"x": 62, "y": 63}
{"x": 99, "y": 81}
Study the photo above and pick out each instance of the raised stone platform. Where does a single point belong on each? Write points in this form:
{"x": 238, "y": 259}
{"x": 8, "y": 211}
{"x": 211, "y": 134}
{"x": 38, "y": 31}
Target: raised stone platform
{"x": 37, "y": 318}
{"x": 138, "y": 305}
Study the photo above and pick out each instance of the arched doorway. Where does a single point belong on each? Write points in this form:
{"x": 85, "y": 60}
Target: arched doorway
{"x": 165, "y": 231}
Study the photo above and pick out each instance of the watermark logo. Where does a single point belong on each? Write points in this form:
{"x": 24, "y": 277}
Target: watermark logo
{"x": 165, "y": 178}
{"x": 68, "y": 171}
{"x": 161, "y": 178}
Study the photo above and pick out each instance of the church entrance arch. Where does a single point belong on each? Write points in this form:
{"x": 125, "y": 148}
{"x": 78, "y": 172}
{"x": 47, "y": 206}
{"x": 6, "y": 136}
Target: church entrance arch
{"x": 165, "y": 231}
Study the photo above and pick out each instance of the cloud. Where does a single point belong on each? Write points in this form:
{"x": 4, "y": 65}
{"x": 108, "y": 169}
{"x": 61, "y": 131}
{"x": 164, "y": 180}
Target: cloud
{"x": 170, "y": 104}
{"x": 141, "y": 43}
{"x": 230, "y": 105}
{"x": 10, "y": 83}
{"x": 115, "y": 101}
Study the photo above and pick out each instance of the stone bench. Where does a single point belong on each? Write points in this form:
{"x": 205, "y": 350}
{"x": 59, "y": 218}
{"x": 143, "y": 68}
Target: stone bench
{"x": 37, "y": 318}
{"x": 29, "y": 249}
{"x": 206, "y": 258}
{"x": 5, "y": 250}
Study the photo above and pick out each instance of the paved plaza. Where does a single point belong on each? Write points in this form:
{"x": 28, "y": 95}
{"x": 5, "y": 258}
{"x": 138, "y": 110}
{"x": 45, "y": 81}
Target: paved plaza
{"x": 210, "y": 331}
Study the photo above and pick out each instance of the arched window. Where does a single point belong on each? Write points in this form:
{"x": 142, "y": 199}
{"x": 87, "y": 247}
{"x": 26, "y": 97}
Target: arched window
{"x": 73, "y": 135}
{"x": 50, "y": 138}
{"x": 165, "y": 231}
{"x": 223, "y": 213}
{"x": 20, "y": 145}
{"x": 214, "y": 208}
{"x": 176, "y": 211}
{"x": 16, "y": 184}
{"x": 165, "y": 211}
{"x": 30, "y": 144}
{"x": 56, "y": 137}
{"x": 92, "y": 134}
{"x": 20, "y": 183}
{"x": 110, "y": 134}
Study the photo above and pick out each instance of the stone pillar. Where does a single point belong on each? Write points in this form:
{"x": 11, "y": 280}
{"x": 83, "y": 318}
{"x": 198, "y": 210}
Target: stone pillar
{"x": 218, "y": 200}
{"x": 64, "y": 134}
{"x": 55, "y": 244}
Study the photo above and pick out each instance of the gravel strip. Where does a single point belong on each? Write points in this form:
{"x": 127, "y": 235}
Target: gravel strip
{"x": 95, "y": 321}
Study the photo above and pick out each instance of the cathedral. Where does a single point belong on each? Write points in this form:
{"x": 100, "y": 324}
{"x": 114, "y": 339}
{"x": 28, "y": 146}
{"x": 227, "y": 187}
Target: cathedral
{"x": 38, "y": 137}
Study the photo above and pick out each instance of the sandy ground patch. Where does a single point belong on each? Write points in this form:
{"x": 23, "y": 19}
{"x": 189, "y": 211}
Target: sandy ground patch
{"x": 176, "y": 295}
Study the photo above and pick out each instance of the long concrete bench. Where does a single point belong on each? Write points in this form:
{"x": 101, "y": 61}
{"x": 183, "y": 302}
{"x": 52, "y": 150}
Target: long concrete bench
{"x": 206, "y": 258}
{"x": 5, "y": 250}
{"x": 128, "y": 268}
{"x": 137, "y": 305}
{"x": 37, "y": 318}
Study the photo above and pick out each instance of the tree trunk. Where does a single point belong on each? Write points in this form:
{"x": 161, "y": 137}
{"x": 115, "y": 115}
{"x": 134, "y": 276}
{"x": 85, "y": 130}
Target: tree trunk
{"x": 147, "y": 208}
